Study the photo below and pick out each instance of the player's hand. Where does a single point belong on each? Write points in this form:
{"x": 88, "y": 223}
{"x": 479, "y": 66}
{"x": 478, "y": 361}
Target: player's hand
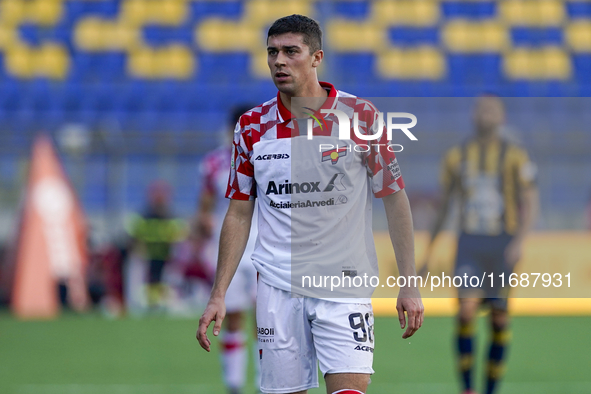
{"x": 513, "y": 252}
{"x": 409, "y": 301}
{"x": 214, "y": 311}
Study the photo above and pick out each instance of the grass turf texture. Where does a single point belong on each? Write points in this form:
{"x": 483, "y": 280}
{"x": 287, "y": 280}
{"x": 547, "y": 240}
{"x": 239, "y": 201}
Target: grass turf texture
{"x": 91, "y": 355}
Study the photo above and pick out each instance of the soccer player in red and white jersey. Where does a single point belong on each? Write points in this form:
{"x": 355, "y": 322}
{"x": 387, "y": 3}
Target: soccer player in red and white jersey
{"x": 241, "y": 294}
{"x": 314, "y": 216}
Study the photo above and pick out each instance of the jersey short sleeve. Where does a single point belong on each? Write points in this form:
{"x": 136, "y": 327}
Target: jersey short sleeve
{"x": 241, "y": 183}
{"x": 525, "y": 169}
{"x": 381, "y": 162}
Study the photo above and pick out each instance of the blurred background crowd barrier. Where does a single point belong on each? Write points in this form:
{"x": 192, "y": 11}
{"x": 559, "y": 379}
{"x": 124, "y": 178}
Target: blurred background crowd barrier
{"x": 130, "y": 91}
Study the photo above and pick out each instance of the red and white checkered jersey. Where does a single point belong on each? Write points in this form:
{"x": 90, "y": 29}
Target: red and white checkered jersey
{"x": 215, "y": 172}
{"x": 313, "y": 195}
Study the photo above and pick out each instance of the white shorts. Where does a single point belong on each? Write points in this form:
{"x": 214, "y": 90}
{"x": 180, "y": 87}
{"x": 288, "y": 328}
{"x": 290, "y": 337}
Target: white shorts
{"x": 241, "y": 293}
{"x": 294, "y": 334}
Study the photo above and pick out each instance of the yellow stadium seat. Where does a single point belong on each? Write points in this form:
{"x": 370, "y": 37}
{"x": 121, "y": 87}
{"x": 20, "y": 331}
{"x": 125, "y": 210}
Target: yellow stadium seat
{"x": 172, "y": 62}
{"x": 220, "y": 35}
{"x": 172, "y": 13}
{"x": 160, "y": 12}
{"x": 424, "y": 63}
{"x": 121, "y": 37}
{"x": 88, "y": 34}
{"x": 94, "y": 34}
{"x": 175, "y": 62}
{"x": 52, "y": 61}
{"x": 19, "y": 61}
{"x": 550, "y": 63}
{"x": 258, "y": 64}
{"x": 405, "y": 12}
{"x": 532, "y": 12}
{"x": 348, "y": 36}
{"x": 475, "y": 37}
{"x": 12, "y": 12}
{"x": 578, "y": 35}
{"x": 8, "y": 36}
{"x": 44, "y": 12}
{"x": 134, "y": 12}
{"x": 141, "y": 63}
{"x": 262, "y": 12}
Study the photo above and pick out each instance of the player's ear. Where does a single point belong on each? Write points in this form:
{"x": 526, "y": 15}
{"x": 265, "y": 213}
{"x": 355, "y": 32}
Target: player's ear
{"x": 317, "y": 58}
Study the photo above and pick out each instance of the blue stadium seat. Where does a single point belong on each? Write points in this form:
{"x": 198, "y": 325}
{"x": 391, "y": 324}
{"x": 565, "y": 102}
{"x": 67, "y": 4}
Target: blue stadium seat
{"x": 582, "y": 67}
{"x": 30, "y": 34}
{"x": 469, "y": 10}
{"x": 230, "y": 9}
{"x": 414, "y": 36}
{"x": 75, "y": 9}
{"x": 353, "y": 68}
{"x": 51, "y": 120}
{"x": 578, "y": 9}
{"x": 358, "y": 9}
{"x": 230, "y": 68}
{"x": 10, "y": 95}
{"x": 177, "y": 122}
{"x": 156, "y": 36}
{"x": 474, "y": 69}
{"x": 526, "y": 36}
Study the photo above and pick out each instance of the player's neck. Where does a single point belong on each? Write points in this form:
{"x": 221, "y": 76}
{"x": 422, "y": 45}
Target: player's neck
{"x": 313, "y": 96}
{"x": 489, "y": 137}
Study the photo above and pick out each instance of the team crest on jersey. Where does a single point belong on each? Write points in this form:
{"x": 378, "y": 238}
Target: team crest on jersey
{"x": 333, "y": 154}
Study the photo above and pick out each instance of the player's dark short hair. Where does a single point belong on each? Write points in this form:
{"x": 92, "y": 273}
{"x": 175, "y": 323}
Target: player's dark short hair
{"x": 299, "y": 24}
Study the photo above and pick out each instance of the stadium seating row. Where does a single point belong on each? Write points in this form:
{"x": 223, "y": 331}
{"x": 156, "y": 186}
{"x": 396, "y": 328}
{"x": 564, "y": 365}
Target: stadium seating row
{"x": 404, "y": 12}
{"x": 538, "y": 39}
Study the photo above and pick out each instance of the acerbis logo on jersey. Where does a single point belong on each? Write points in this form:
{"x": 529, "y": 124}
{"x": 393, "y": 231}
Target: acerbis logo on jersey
{"x": 364, "y": 348}
{"x": 273, "y": 156}
{"x": 336, "y": 182}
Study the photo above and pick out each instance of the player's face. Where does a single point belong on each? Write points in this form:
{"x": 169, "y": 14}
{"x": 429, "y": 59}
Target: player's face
{"x": 291, "y": 64}
{"x": 489, "y": 114}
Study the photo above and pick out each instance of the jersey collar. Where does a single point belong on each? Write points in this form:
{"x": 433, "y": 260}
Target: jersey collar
{"x": 285, "y": 115}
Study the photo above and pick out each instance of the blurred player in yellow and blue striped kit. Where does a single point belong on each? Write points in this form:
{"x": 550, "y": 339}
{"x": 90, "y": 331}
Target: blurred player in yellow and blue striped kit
{"x": 495, "y": 182}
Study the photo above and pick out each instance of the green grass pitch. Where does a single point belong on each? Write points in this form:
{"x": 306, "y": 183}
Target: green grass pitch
{"x": 92, "y": 355}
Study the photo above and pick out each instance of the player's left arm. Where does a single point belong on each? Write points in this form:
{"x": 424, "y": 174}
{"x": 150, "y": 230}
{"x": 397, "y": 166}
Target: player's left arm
{"x": 203, "y": 222}
{"x": 203, "y": 225}
{"x": 400, "y": 228}
{"x": 529, "y": 205}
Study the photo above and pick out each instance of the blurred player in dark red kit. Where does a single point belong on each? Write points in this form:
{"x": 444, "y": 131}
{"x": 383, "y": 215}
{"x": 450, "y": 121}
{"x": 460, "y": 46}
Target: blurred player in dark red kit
{"x": 495, "y": 182}
{"x": 155, "y": 231}
{"x": 241, "y": 295}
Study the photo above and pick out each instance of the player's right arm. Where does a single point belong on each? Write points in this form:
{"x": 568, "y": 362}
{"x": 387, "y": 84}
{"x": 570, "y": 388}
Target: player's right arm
{"x": 449, "y": 179}
{"x": 235, "y": 231}
{"x": 233, "y": 239}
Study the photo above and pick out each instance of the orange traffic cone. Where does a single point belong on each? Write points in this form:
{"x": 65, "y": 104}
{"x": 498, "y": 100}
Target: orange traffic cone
{"x": 52, "y": 240}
